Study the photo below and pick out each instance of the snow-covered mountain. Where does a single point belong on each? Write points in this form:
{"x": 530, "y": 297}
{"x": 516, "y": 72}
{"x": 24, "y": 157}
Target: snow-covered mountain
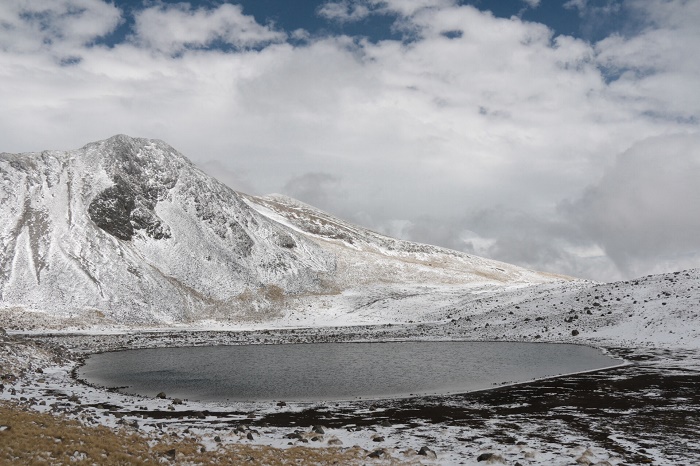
{"x": 128, "y": 230}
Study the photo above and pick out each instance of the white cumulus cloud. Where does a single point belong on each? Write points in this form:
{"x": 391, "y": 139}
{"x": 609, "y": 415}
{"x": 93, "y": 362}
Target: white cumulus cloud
{"x": 171, "y": 28}
{"x": 60, "y": 26}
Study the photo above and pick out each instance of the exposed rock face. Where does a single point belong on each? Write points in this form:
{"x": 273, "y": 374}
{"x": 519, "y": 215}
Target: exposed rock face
{"x": 121, "y": 212}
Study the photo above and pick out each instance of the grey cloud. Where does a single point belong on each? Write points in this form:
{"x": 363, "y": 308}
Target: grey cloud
{"x": 515, "y": 236}
{"x": 642, "y": 217}
{"x": 440, "y": 231}
{"x": 319, "y": 189}
{"x": 234, "y": 179}
{"x": 645, "y": 211}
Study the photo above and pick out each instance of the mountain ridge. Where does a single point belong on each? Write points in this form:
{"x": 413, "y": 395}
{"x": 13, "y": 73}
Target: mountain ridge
{"x": 130, "y": 229}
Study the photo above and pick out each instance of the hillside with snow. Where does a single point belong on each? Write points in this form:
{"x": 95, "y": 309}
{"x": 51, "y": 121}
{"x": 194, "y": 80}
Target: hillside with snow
{"x": 127, "y": 231}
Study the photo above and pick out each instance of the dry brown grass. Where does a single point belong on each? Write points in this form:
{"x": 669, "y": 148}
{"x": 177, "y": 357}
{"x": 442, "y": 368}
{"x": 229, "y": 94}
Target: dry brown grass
{"x": 39, "y": 439}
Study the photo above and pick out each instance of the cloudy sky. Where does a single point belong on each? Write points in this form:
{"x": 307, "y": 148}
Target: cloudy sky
{"x": 559, "y": 135}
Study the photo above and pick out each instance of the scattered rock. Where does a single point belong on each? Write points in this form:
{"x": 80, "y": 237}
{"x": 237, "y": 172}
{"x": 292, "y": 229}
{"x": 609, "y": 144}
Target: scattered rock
{"x": 574, "y": 333}
{"x": 380, "y": 453}
{"x": 377, "y": 438}
{"x": 281, "y": 403}
{"x": 385, "y": 423}
{"x": 318, "y": 430}
{"x": 427, "y": 452}
{"x": 335, "y": 441}
{"x": 177, "y": 401}
{"x": 491, "y": 458}
{"x": 586, "y": 458}
{"x": 217, "y": 439}
{"x": 249, "y": 436}
{"x": 161, "y": 395}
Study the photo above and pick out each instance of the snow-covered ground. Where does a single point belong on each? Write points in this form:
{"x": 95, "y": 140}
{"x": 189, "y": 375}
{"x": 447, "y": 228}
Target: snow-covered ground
{"x": 584, "y": 419}
{"x": 609, "y": 416}
{"x": 660, "y": 310}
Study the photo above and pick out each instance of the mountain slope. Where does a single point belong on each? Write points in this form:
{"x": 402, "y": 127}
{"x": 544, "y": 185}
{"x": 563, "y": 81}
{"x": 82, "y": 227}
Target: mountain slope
{"x": 129, "y": 230}
{"x": 364, "y": 256}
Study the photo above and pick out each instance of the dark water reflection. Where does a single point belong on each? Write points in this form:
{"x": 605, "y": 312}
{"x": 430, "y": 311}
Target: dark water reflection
{"x": 334, "y": 371}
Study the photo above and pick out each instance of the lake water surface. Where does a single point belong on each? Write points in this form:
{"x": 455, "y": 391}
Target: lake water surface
{"x": 334, "y": 371}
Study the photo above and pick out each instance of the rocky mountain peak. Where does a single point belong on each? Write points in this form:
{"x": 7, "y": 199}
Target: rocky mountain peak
{"x": 131, "y": 229}
{"x": 143, "y": 171}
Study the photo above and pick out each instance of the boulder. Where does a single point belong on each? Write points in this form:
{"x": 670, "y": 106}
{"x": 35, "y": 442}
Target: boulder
{"x": 427, "y": 452}
{"x": 380, "y": 453}
{"x": 318, "y": 430}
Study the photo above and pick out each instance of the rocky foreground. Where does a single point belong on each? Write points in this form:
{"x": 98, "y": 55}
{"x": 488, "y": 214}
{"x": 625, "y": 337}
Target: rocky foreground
{"x": 645, "y": 412}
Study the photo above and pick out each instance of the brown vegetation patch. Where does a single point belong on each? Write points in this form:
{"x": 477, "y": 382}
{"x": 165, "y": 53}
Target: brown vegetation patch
{"x": 31, "y": 438}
